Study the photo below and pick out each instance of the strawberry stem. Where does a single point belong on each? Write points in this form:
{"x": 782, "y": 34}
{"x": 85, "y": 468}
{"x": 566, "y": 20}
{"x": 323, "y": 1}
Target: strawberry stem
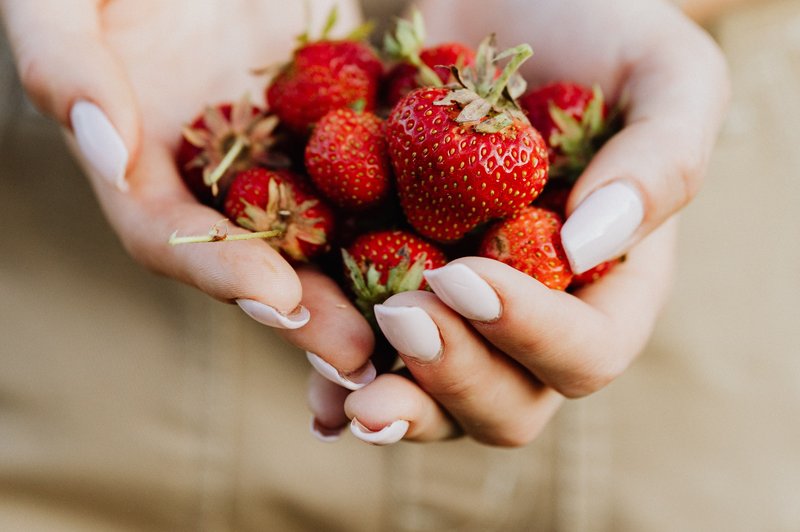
{"x": 226, "y": 163}
{"x": 519, "y": 54}
{"x": 175, "y": 240}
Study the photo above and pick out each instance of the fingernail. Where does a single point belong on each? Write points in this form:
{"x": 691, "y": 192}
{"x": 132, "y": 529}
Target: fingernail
{"x": 99, "y": 142}
{"x": 465, "y": 291}
{"x": 352, "y": 381}
{"x": 411, "y": 331}
{"x": 323, "y": 433}
{"x": 269, "y": 316}
{"x": 389, "y": 434}
{"x": 602, "y": 225}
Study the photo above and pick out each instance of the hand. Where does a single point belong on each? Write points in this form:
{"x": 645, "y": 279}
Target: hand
{"x": 500, "y": 380}
{"x": 493, "y": 352}
{"x": 123, "y": 77}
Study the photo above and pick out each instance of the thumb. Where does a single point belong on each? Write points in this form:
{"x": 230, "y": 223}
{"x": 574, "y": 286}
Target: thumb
{"x": 678, "y": 93}
{"x": 72, "y": 76}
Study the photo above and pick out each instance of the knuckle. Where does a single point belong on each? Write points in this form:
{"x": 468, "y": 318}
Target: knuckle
{"x": 33, "y": 79}
{"x": 514, "y": 434}
{"x": 587, "y": 381}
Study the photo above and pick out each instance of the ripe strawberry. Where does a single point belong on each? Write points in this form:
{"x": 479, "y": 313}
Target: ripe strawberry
{"x": 463, "y": 157}
{"x": 225, "y": 139}
{"x": 588, "y": 277}
{"x": 264, "y": 200}
{"x": 405, "y": 77}
{"x": 418, "y": 66}
{"x": 531, "y": 243}
{"x": 322, "y": 76}
{"x": 383, "y": 263}
{"x": 346, "y": 159}
{"x": 573, "y": 119}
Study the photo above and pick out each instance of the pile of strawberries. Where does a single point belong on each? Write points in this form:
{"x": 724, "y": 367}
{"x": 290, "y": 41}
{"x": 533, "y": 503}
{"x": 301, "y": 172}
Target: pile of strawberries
{"x": 401, "y": 164}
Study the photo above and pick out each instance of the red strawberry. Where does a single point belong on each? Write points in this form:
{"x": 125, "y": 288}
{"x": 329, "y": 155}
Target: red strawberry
{"x": 347, "y": 160}
{"x": 224, "y": 140}
{"x": 418, "y": 67}
{"x": 590, "y": 276}
{"x": 573, "y": 119}
{"x": 264, "y": 200}
{"x": 323, "y": 76}
{"x": 383, "y": 263}
{"x": 531, "y": 243}
{"x": 405, "y": 77}
{"x": 554, "y": 197}
{"x": 463, "y": 157}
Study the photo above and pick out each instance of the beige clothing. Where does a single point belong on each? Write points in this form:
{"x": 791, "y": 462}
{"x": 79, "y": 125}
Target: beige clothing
{"x": 128, "y": 402}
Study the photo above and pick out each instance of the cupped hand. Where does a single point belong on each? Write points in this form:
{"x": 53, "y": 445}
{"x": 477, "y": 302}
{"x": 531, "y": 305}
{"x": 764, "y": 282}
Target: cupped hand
{"x": 495, "y": 352}
{"x": 123, "y": 77}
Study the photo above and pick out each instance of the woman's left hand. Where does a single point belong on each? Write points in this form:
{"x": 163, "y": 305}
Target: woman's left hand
{"x": 493, "y": 352}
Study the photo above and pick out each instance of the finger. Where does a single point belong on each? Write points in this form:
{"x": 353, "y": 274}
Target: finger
{"x": 326, "y": 402}
{"x": 492, "y": 397}
{"x": 250, "y": 273}
{"x": 576, "y": 345}
{"x": 678, "y": 91}
{"x": 338, "y": 341}
{"x": 71, "y": 75}
{"x": 393, "y": 408}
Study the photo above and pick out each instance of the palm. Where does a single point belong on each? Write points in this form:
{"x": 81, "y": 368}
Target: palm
{"x": 183, "y": 54}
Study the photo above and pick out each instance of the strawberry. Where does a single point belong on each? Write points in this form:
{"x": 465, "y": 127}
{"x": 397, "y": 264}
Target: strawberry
{"x": 573, "y": 119}
{"x": 531, "y": 243}
{"x": 383, "y": 263}
{"x": 265, "y": 200}
{"x": 405, "y": 77}
{"x": 224, "y": 140}
{"x": 588, "y": 277}
{"x": 465, "y": 156}
{"x": 347, "y": 161}
{"x": 418, "y": 66}
{"x": 322, "y": 76}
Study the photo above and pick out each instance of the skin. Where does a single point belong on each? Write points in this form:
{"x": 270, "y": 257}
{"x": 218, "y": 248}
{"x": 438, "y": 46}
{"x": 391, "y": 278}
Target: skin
{"x": 151, "y": 65}
{"x": 500, "y": 383}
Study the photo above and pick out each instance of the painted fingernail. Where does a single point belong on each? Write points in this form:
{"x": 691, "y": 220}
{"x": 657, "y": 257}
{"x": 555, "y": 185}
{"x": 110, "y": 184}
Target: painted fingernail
{"x": 269, "y": 316}
{"x": 99, "y": 142}
{"x": 352, "y": 381}
{"x": 602, "y": 225}
{"x": 323, "y": 433}
{"x": 388, "y": 435}
{"x": 411, "y": 331}
{"x": 465, "y": 291}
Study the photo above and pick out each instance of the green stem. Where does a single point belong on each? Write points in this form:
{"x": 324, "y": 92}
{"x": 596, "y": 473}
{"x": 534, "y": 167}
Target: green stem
{"x": 226, "y": 162}
{"x": 519, "y": 54}
{"x": 427, "y": 75}
{"x": 175, "y": 240}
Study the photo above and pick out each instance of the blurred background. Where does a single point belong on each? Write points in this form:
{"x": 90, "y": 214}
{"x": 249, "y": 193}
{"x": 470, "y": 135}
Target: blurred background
{"x": 702, "y": 433}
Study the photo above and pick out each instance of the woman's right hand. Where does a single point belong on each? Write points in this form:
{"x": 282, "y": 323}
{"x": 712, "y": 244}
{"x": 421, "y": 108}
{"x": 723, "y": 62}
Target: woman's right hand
{"x": 123, "y": 77}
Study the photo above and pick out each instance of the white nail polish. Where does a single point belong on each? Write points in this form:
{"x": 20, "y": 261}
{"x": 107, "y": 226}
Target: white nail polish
{"x": 602, "y": 225}
{"x": 465, "y": 291}
{"x": 411, "y": 331}
{"x": 99, "y": 142}
{"x": 324, "y": 434}
{"x": 352, "y": 381}
{"x": 269, "y": 316}
{"x": 389, "y": 434}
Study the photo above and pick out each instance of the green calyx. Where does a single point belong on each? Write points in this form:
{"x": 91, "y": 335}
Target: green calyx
{"x": 360, "y": 33}
{"x": 406, "y": 43}
{"x": 286, "y": 216}
{"x": 577, "y": 141}
{"x": 367, "y": 286}
{"x": 486, "y": 98}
